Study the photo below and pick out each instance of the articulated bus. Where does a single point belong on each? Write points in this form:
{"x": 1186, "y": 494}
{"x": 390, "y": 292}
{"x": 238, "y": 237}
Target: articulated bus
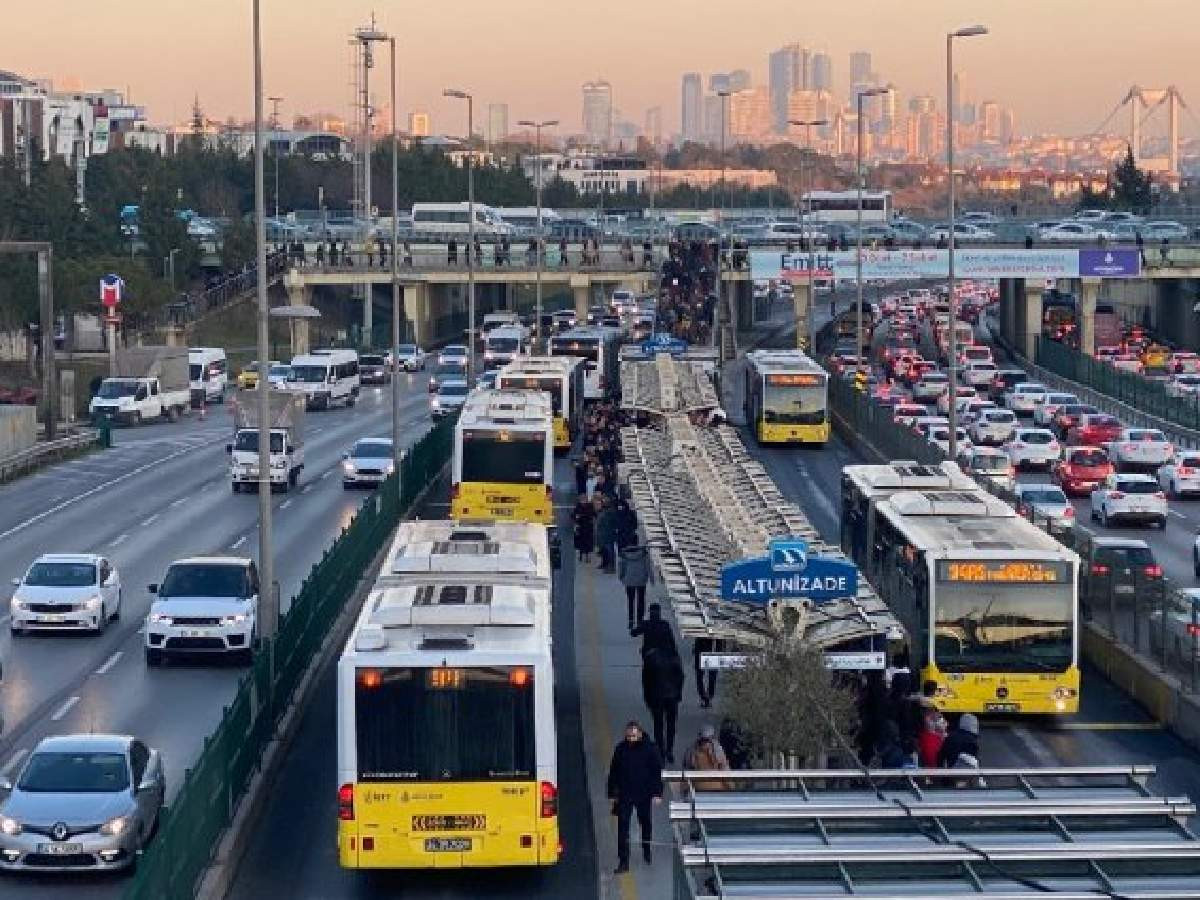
{"x": 989, "y": 600}
{"x": 786, "y": 398}
{"x": 600, "y": 348}
{"x": 446, "y": 750}
{"x": 559, "y": 376}
{"x": 504, "y": 457}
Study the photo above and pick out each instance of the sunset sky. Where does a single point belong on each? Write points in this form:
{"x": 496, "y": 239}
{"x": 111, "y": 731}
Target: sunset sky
{"x": 1061, "y": 64}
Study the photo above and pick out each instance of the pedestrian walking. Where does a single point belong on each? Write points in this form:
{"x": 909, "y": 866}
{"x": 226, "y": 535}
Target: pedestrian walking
{"x": 320, "y": 253}
{"x": 735, "y": 742}
{"x": 626, "y": 524}
{"x": 581, "y": 475}
{"x": 654, "y": 631}
{"x": 634, "y": 785}
{"x": 662, "y": 689}
{"x": 706, "y": 681}
{"x": 407, "y": 255}
{"x": 962, "y": 741}
{"x": 706, "y": 755}
{"x": 584, "y": 519}
{"x": 633, "y": 568}
{"x": 606, "y": 533}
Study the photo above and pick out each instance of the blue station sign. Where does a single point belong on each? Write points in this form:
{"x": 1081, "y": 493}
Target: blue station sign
{"x": 663, "y": 343}
{"x": 788, "y": 571}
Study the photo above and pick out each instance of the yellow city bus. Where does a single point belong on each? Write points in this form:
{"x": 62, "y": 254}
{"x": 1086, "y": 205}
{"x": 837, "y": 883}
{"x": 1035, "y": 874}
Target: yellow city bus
{"x": 503, "y": 465}
{"x": 559, "y": 376}
{"x": 446, "y": 748}
{"x": 786, "y": 398}
{"x": 990, "y": 601}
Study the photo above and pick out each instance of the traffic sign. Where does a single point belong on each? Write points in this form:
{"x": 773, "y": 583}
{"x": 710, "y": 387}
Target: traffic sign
{"x": 663, "y": 343}
{"x": 112, "y": 287}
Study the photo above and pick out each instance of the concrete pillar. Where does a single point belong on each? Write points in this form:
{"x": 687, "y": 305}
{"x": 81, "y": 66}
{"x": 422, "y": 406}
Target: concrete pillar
{"x": 581, "y": 288}
{"x": 175, "y": 336}
{"x": 800, "y": 302}
{"x": 1031, "y": 321}
{"x": 1089, "y": 291}
{"x": 299, "y": 294}
{"x": 1009, "y": 288}
{"x": 742, "y": 295}
{"x": 416, "y": 303}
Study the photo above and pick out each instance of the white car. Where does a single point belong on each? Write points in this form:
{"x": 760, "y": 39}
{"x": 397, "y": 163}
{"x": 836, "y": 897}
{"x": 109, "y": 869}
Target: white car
{"x": 925, "y": 424}
{"x": 964, "y": 392}
{"x": 963, "y": 231}
{"x": 1156, "y": 231}
{"x": 1141, "y": 448}
{"x": 940, "y": 437}
{"x": 930, "y": 386}
{"x": 1046, "y": 503}
{"x": 279, "y": 375}
{"x": 1030, "y": 447}
{"x": 1129, "y": 498}
{"x": 368, "y": 463}
{"x": 968, "y": 409}
{"x": 454, "y": 353}
{"x": 448, "y": 398}
{"x": 975, "y": 353}
{"x": 990, "y": 464}
{"x": 1046, "y": 410}
{"x": 411, "y": 358}
{"x": 993, "y": 427}
{"x": 979, "y": 374}
{"x": 204, "y": 605}
{"x": 1073, "y": 232}
{"x": 1183, "y": 613}
{"x": 1025, "y": 397}
{"x": 1184, "y": 385}
{"x": 1180, "y": 477}
{"x": 69, "y": 591}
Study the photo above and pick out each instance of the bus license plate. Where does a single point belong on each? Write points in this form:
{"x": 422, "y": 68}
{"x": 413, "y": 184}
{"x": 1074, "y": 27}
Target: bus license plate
{"x": 1002, "y": 707}
{"x": 447, "y": 845}
{"x": 507, "y": 511}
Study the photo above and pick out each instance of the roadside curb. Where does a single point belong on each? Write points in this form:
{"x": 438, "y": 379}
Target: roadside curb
{"x": 219, "y": 877}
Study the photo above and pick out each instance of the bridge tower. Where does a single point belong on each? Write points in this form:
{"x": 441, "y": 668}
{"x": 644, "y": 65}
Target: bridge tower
{"x": 1143, "y": 103}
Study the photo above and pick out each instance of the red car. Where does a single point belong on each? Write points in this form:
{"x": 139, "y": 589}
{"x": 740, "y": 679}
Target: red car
{"x": 1082, "y": 469}
{"x": 1094, "y": 429}
{"x": 1067, "y": 417}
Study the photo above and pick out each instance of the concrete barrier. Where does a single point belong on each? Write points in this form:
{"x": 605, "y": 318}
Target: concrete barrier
{"x": 18, "y": 429}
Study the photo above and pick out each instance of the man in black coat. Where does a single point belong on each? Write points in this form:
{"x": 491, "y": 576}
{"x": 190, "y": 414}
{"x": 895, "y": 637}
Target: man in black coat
{"x": 962, "y": 741}
{"x": 662, "y": 689}
{"x": 634, "y": 784}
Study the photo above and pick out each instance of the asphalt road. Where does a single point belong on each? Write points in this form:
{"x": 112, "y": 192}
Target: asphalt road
{"x": 300, "y": 863}
{"x": 161, "y": 493}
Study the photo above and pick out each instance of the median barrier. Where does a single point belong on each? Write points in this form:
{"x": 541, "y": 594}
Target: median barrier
{"x": 191, "y": 825}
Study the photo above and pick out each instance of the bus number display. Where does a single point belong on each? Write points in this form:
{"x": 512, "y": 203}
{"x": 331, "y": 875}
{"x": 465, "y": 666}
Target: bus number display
{"x": 796, "y": 380}
{"x": 1003, "y": 571}
{"x": 444, "y": 679}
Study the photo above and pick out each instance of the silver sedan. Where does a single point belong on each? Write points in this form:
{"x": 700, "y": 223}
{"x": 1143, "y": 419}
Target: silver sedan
{"x": 85, "y": 802}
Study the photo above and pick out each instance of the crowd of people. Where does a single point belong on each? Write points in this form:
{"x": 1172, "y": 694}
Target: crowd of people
{"x": 902, "y": 728}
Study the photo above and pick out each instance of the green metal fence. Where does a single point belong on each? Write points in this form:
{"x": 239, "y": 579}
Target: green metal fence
{"x": 1142, "y": 393}
{"x": 860, "y": 419}
{"x": 191, "y": 826}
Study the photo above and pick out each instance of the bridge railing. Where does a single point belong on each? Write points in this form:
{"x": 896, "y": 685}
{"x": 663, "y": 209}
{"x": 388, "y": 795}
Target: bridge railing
{"x": 191, "y": 825}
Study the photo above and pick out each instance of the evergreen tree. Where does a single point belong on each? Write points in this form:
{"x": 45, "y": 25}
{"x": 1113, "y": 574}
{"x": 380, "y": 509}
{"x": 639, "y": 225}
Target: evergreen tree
{"x": 1131, "y": 186}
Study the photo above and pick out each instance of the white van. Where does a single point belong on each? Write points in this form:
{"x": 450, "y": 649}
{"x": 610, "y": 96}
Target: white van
{"x": 502, "y": 345}
{"x": 208, "y": 374}
{"x": 325, "y": 377}
{"x": 499, "y": 319}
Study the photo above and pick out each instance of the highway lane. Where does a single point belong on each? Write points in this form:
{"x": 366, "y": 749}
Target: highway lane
{"x": 76, "y": 682}
{"x": 300, "y": 863}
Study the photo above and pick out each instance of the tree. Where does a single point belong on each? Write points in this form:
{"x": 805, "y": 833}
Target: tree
{"x": 789, "y": 702}
{"x": 1131, "y": 186}
{"x": 238, "y": 245}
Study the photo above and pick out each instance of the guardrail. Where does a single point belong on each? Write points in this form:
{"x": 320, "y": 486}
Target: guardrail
{"x": 1153, "y": 617}
{"x": 190, "y": 826}
{"x": 45, "y": 452}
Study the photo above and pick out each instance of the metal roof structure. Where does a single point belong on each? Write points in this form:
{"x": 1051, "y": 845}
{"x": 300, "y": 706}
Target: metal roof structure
{"x": 705, "y": 502}
{"x": 666, "y": 385}
{"x": 999, "y": 834}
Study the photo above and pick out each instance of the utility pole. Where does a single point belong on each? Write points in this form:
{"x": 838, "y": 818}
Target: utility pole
{"x": 275, "y": 101}
{"x": 807, "y": 235}
{"x": 366, "y": 37}
{"x": 541, "y": 235}
{"x": 859, "y": 177}
{"x": 463, "y": 95}
{"x": 397, "y": 455}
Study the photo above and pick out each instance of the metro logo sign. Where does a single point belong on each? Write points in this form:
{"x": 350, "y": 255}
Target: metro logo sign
{"x": 112, "y": 288}
{"x": 788, "y": 571}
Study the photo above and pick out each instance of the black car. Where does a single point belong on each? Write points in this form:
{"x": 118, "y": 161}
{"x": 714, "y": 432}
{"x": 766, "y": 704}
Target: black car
{"x": 373, "y": 368}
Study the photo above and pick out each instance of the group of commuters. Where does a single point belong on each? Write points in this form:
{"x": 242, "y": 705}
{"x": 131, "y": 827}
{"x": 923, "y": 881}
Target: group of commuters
{"x": 902, "y": 728}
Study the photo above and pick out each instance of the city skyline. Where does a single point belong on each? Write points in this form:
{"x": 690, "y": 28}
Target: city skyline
{"x": 1120, "y": 51}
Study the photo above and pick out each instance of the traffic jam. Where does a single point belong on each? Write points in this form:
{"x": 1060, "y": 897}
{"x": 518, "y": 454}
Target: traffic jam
{"x": 1061, "y": 461}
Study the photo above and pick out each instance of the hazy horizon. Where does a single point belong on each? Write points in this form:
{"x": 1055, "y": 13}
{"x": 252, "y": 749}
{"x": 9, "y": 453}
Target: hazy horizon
{"x": 1061, "y": 66}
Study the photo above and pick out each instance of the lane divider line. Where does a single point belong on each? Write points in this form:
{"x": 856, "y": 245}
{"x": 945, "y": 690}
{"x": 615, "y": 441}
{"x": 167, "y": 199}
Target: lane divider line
{"x": 285, "y": 504}
{"x": 66, "y": 707}
{"x": 119, "y": 539}
{"x": 146, "y": 523}
{"x": 110, "y": 662}
{"x": 306, "y": 489}
{"x": 238, "y": 543}
{"x": 179, "y": 502}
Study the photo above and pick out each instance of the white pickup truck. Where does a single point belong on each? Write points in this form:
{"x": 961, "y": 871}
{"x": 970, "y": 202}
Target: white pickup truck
{"x": 287, "y": 440}
{"x": 151, "y": 383}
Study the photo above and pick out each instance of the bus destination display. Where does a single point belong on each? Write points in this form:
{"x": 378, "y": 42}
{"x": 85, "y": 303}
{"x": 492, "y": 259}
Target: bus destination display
{"x": 1004, "y": 571}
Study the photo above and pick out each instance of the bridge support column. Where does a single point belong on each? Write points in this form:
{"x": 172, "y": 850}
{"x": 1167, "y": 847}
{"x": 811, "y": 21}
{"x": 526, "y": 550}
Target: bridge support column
{"x": 299, "y": 294}
{"x": 1031, "y": 322}
{"x": 175, "y": 336}
{"x": 1089, "y": 292}
{"x": 581, "y": 288}
{"x": 801, "y": 300}
{"x": 416, "y": 297}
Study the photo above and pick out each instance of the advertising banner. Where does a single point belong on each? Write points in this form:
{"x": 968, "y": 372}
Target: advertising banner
{"x": 909, "y": 265}
{"x": 1110, "y": 263}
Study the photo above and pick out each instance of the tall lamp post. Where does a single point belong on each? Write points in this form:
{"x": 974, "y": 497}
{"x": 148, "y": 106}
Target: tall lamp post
{"x": 806, "y": 234}
{"x": 463, "y": 95}
{"x": 275, "y": 101}
{"x": 859, "y": 178}
{"x": 268, "y": 600}
{"x": 541, "y": 235}
{"x": 951, "y": 343}
{"x": 397, "y": 455}
{"x": 716, "y": 316}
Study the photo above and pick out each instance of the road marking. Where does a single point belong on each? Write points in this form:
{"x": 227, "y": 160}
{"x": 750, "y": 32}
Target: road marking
{"x": 146, "y": 523}
{"x": 824, "y": 502}
{"x": 306, "y": 489}
{"x": 326, "y": 474}
{"x": 66, "y": 707}
{"x": 13, "y": 762}
{"x": 110, "y": 662}
{"x": 33, "y": 520}
{"x": 1109, "y": 726}
{"x": 1178, "y": 515}
{"x": 238, "y": 543}
{"x": 119, "y": 539}
{"x": 179, "y": 502}
{"x": 285, "y": 504}
{"x": 1040, "y": 752}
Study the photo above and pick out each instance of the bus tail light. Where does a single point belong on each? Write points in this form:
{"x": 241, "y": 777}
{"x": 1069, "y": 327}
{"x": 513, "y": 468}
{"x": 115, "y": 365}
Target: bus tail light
{"x": 549, "y": 800}
{"x": 549, "y": 493}
{"x": 346, "y": 803}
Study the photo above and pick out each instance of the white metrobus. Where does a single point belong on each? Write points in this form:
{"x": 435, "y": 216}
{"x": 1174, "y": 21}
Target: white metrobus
{"x": 325, "y": 377}
{"x": 990, "y": 601}
{"x": 446, "y": 749}
{"x": 600, "y": 348}
{"x": 503, "y": 465}
{"x": 561, "y": 377}
{"x": 842, "y": 206}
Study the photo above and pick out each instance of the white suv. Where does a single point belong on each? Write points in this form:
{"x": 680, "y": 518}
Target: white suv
{"x": 993, "y": 426}
{"x": 1025, "y": 397}
{"x": 207, "y": 604}
{"x": 1135, "y": 498}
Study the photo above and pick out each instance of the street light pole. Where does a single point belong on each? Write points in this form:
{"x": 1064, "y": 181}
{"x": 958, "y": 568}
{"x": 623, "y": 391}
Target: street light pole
{"x": 463, "y": 95}
{"x": 806, "y": 234}
{"x": 859, "y": 178}
{"x": 716, "y": 316}
{"x": 541, "y": 237}
{"x": 275, "y": 101}
{"x": 268, "y": 601}
{"x": 951, "y": 338}
{"x": 397, "y": 456}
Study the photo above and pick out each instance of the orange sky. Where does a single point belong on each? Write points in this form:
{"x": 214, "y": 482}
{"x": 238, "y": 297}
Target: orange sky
{"x": 1062, "y": 64}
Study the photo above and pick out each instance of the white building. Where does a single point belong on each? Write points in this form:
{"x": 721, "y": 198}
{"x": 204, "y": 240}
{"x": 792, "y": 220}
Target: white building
{"x": 598, "y": 113}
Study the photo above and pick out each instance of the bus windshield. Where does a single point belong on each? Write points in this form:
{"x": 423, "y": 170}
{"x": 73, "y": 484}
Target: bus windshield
{"x": 1003, "y": 627}
{"x": 793, "y": 405}
{"x": 308, "y": 374}
{"x": 551, "y": 386}
{"x": 511, "y": 457}
{"x": 588, "y": 349}
{"x": 420, "y": 724}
